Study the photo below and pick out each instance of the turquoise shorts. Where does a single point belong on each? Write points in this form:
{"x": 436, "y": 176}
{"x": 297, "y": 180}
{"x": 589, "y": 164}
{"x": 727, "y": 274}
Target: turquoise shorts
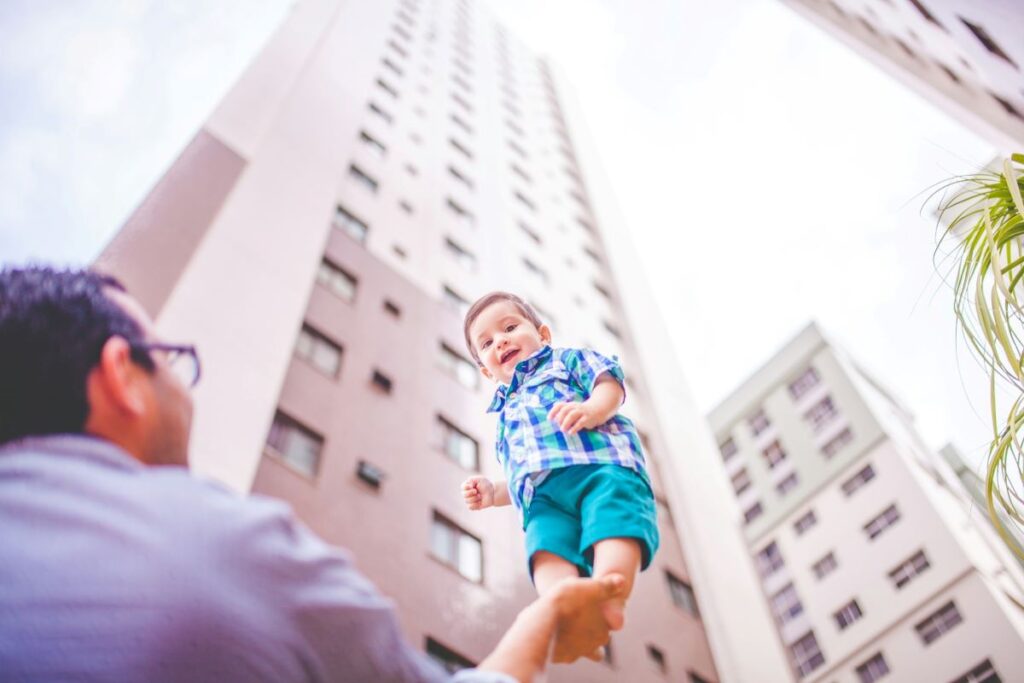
{"x": 574, "y": 507}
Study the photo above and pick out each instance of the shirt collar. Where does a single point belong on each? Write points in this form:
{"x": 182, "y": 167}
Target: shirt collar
{"x": 74, "y": 445}
{"x": 523, "y": 368}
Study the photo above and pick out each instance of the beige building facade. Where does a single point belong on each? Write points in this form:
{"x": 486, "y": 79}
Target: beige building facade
{"x": 965, "y": 57}
{"x": 378, "y": 166}
{"x": 872, "y": 554}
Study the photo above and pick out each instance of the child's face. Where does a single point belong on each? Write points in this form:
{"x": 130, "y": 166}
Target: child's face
{"x": 503, "y": 336}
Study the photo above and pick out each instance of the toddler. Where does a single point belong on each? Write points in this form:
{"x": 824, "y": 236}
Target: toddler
{"x": 574, "y": 467}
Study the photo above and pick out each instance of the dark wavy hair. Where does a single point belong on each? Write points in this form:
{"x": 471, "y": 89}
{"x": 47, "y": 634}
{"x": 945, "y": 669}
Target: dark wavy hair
{"x": 53, "y": 325}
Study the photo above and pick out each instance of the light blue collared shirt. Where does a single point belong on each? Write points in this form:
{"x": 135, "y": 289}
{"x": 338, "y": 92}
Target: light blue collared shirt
{"x": 114, "y": 571}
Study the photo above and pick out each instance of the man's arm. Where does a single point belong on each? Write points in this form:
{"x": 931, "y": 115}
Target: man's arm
{"x": 573, "y": 610}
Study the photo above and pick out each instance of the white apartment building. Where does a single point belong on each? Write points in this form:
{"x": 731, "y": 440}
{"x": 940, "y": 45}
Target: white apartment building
{"x": 871, "y": 553}
{"x": 965, "y": 56}
{"x": 379, "y": 165}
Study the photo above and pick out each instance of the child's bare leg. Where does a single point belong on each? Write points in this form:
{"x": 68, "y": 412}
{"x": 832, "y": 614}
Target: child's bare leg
{"x": 617, "y": 556}
{"x": 549, "y": 569}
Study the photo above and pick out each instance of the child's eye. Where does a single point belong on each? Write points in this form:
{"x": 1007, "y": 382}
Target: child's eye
{"x": 485, "y": 344}
{"x": 509, "y": 328}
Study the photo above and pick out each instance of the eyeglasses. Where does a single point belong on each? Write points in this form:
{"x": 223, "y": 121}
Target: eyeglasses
{"x": 183, "y": 360}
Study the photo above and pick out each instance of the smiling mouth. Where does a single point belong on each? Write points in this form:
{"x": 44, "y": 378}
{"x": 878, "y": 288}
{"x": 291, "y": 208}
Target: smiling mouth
{"x": 508, "y": 354}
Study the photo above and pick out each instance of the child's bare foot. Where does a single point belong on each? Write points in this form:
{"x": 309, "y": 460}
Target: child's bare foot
{"x": 587, "y": 625}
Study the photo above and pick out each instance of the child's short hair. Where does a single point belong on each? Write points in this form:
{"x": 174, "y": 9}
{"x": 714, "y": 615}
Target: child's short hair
{"x": 483, "y": 302}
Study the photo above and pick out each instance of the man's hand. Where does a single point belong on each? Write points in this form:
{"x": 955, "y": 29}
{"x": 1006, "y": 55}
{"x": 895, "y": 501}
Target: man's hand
{"x": 582, "y": 626}
{"x": 571, "y": 416}
{"x": 478, "y": 492}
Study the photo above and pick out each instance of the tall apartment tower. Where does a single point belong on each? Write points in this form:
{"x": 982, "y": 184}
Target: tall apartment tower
{"x": 965, "y": 57}
{"x": 378, "y": 166}
{"x": 873, "y": 556}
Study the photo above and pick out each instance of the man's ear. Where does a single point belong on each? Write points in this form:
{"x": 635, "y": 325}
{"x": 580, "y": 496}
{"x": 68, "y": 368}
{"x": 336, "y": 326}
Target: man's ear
{"x": 545, "y": 333}
{"x": 118, "y": 377}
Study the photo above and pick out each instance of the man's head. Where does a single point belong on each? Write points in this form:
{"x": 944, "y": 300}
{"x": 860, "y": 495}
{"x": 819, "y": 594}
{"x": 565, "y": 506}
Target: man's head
{"x": 74, "y": 358}
{"x": 501, "y": 329}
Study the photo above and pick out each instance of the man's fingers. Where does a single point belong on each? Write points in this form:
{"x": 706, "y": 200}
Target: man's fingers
{"x": 597, "y": 655}
{"x": 612, "y": 585}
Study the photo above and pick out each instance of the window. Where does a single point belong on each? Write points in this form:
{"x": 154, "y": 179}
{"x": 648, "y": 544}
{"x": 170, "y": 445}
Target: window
{"x": 728, "y": 449}
{"x": 461, "y": 101}
{"x": 905, "y": 573}
{"x": 454, "y": 301}
{"x": 336, "y": 280}
{"x": 461, "y": 123}
{"x": 866, "y": 474}
{"x": 821, "y": 413}
{"x": 461, "y": 177}
{"x": 753, "y": 512}
{"x": 786, "y": 604}
{"x": 594, "y": 256}
{"x": 402, "y": 33}
{"x": 524, "y": 200}
{"x": 461, "y": 369}
{"x": 682, "y": 594}
{"x": 741, "y": 481}
{"x": 391, "y": 66}
{"x": 758, "y": 422}
{"x": 805, "y": 522}
{"x": 458, "y": 445}
{"x": 657, "y": 658}
{"x": 387, "y": 87}
{"x": 463, "y": 215}
{"x": 982, "y": 35}
{"x": 787, "y": 484}
{"x": 523, "y": 175}
{"x": 982, "y": 673}
{"x": 380, "y": 112}
{"x": 847, "y": 614}
{"x": 530, "y": 232}
{"x": 319, "y": 351}
{"x": 806, "y": 654}
{"x": 804, "y": 383}
{"x": 833, "y": 445}
{"x": 825, "y": 566}
{"x": 882, "y": 522}
{"x": 349, "y": 224}
{"x": 459, "y": 147}
{"x": 774, "y": 454}
{"x": 926, "y": 14}
{"x": 392, "y": 308}
{"x": 360, "y": 176}
{"x": 402, "y": 52}
{"x": 458, "y": 549}
{"x": 296, "y": 445}
{"x": 938, "y": 623}
{"x": 450, "y": 660}
{"x": 463, "y": 256}
{"x": 602, "y": 290}
{"x": 873, "y": 669}
{"x": 381, "y": 381}
{"x": 373, "y": 144}
{"x": 1007, "y": 106}
{"x": 535, "y": 270}
{"x": 370, "y": 474}
{"x": 406, "y": 206}
{"x": 517, "y": 149}
{"x": 462, "y": 83}
{"x": 769, "y": 560}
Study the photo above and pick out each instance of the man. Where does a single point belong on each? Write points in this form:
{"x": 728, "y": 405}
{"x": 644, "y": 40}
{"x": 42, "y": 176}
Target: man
{"x": 117, "y": 565}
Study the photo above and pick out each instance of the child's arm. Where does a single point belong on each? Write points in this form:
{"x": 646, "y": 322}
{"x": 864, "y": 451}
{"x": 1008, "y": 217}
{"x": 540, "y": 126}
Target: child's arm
{"x": 604, "y": 402}
{"x": 481, "y": 492}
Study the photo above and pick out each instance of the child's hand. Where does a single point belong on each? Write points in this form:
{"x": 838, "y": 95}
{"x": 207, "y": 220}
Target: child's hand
{"x": 571, "y": 417}
{"x": 478, "y": 492}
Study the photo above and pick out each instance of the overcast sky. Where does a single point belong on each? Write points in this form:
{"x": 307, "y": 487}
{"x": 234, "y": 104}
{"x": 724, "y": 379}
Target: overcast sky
{"x": 786, "y": 172}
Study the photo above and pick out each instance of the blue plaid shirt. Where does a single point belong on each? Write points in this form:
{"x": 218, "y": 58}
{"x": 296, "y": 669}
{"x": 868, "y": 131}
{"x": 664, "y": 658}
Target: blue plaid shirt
{"x": 529, "y": 445}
